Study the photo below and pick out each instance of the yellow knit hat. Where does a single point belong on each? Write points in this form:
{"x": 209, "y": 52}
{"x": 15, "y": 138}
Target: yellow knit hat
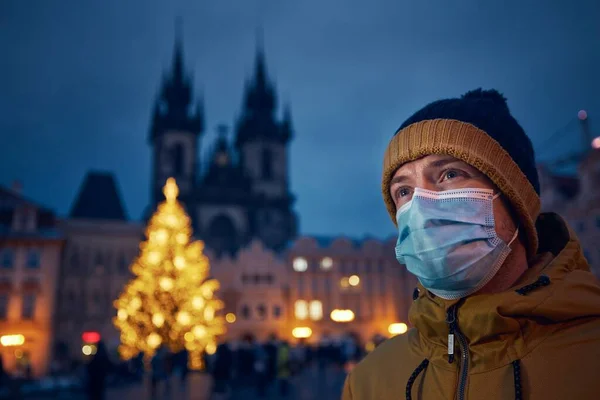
{"x": 456, "y": 132}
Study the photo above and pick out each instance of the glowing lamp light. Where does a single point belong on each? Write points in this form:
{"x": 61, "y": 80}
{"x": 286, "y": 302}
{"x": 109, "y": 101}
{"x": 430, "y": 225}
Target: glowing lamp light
{"x": 209, "y": 313}
{"x": 197, "y": 302}
{"x": 162, "y": 236}
{"x": 184, "y": 318}
{"x": 135, "y": 303}
{"x": 344, "y": 283}
{"x": 189, "y": 336}
{"x": 342, "y": 315}
{"x": 199, "y": 331}
{"x": 398, "y": 328}
{"x": 90, "y": 337}
{"x": 154, "y": 340}
{"x": 582, "y": 115}
{"x": 211, "y": 348}
{"x": 354, "y": 280}
{"x": 369, "y": 347}
{"x": 122, "y": 314}
{"x": 166, "y": 284}
{"x": 171, "y": 220}
{"x": 12, "y": 340}
{"x": 326, "y": 263}
{"x": 158, "y": 320}
{"x": 300, "y": 264}
{"x": 87, "y": 350}
{"x": 230, "y": 317}
{"x": 154, "y": 257}
{"x": 179, "y": 262}
{"x": 181, "y": 238}
{"x": 302, "y": 332}
{"x": 596, "y": 143}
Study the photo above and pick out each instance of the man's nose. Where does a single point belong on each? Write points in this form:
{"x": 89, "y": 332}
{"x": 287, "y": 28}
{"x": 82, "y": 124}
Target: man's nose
{"x": 422, "y": 183}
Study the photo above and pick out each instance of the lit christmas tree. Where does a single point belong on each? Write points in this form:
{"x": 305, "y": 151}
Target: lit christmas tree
{"x": 170, "y": 301}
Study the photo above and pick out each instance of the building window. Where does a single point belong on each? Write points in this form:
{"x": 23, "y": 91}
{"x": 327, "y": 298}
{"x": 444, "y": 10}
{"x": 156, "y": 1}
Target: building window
{"x": 245, "y": 312}
{"x": 98, "y": 260}
{"x": 300, "y": 264}
{"x": 3, "y": 306}
{"x": 257, "y": 279}
{"x": 261, "y": 310}
{"x": 315, "y": 284}
{"x": 301, "y": 309}
{"x": 316, "y": 310}
{"x": 177, "y": 155}
{"x": 28, "y": 309}
{"x": 33, "y": 258}
{"x": 326, "y": 263}
{"x": 269, "y": 279}
{"x": 74, "y": 259}
{"x": 368, "y": 266}
{"x": 587, "y": 256}
{"x": 382, "y": 284}
{"x": 598, "y": 222}
{"x": 267, "y": 164}
{"x": 276, "y": 312}
{"x": 244, "y": 278}
{"x": 7, "y": 258}
{"x": 123, "y": 267}
{"x": 301, "y": 285}
{"x": 343, "y": 267}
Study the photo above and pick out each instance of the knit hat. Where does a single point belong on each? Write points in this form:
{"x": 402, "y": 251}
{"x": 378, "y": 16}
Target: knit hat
{"x": 478, "y": 129}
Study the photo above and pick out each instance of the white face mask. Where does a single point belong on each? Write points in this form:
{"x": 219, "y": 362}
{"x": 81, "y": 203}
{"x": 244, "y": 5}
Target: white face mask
{"x": 449, "y": 242}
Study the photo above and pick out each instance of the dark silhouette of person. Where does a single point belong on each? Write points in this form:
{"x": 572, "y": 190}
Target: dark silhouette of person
{"x": 97, "y": 370}
{"x": 222, "y": 368}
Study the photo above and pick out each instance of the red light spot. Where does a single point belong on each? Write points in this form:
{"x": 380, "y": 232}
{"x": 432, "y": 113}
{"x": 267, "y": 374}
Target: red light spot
{"x": 90, "y": 337}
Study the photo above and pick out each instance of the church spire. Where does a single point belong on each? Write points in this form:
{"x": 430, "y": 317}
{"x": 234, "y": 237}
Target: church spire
{"x": 175, "y": 108}
{"x": 287, "y": 128}
{"x": 177, "y": 68}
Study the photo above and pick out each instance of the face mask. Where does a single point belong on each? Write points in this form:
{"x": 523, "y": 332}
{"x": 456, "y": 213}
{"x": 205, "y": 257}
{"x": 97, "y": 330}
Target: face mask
{"x": 449, "y": 242}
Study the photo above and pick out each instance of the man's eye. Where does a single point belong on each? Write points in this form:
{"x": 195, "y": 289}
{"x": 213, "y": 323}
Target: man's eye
{"x": 451, "y": 174}
{"x": 402, "y": 192}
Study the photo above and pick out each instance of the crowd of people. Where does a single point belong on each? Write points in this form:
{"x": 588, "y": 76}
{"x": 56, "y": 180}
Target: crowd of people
{"x": 237, "y": 365}
{"x": 269, "y": 366}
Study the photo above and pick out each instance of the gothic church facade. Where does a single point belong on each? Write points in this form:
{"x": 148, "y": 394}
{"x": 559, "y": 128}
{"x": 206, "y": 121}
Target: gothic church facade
{"x": 242, "y": 192}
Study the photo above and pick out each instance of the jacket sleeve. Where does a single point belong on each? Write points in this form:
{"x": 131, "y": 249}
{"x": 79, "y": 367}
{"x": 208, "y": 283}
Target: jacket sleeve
{"x": 347, "y": 391}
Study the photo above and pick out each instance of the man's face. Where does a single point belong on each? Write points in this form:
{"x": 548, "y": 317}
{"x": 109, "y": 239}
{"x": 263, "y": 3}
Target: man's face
{"x": 441, "y": 172}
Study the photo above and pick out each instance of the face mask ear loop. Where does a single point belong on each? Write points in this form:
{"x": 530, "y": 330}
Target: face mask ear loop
{"x": 496, "y": 195}
{"x": 514, "y": 236}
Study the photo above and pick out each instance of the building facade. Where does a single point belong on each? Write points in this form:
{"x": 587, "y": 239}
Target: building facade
{"x": 101, "y": 244}
{"x": 577, "y": 199}
{"x": 255, "y": 288}
{"x": 341, "y": 286}
{"x": 30, "y": 253}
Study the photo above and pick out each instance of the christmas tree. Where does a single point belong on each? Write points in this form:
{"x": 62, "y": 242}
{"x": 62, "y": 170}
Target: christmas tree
{"x": 170, "y": 301}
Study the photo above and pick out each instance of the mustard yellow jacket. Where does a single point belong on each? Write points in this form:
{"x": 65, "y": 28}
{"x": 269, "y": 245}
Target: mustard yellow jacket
{"x": 539, "y": 340}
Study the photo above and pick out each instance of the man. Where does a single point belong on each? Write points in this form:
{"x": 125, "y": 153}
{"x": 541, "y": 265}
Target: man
{"x": 506, "y": 307}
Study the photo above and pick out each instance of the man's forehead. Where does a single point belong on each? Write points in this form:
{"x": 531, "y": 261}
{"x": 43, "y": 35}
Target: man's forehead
{"x": 432, "y": 160}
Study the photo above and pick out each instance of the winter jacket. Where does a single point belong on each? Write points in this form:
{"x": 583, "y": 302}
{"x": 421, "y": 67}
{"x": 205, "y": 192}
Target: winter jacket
{"x": 540, "y": 340}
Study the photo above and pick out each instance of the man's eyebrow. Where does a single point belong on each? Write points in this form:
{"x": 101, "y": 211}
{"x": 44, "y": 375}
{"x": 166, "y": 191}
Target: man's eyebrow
{"x": 439, "y": 163}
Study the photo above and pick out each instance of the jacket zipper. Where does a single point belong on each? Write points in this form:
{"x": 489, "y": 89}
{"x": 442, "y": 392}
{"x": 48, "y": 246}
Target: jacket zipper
{"x": 454, "y": 331}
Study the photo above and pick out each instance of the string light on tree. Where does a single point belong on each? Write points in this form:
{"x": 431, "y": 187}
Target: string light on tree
{"x": 171, "y": 299}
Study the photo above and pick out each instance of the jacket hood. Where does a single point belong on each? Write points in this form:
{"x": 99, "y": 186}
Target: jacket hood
{"x": 558, "y": 289}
